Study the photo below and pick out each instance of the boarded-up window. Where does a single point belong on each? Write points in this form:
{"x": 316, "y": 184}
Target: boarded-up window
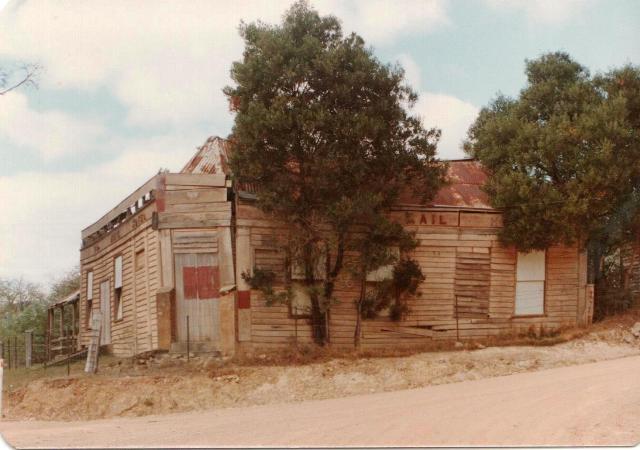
{"x": 530, "y": 278}
{"x": 270, "y": 259}
{"x": 90, "y": 285}
{"x": 139, "y": 260}
{"x": 118, "y": 294}
{"x": 473, "y": 274}
{"x": 117, "y": 267}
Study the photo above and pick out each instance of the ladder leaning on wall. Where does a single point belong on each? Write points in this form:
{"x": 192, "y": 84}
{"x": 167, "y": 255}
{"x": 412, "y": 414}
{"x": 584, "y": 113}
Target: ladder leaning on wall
{"x": 94, "y": 345}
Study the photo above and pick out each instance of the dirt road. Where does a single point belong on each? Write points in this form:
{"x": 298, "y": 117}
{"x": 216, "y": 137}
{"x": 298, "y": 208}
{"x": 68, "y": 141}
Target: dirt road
{"x": 596, "y": 403}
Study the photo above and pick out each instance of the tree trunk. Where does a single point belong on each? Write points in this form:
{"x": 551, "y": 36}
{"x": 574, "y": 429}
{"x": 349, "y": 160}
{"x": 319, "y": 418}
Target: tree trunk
{"x": 318, "y": 322}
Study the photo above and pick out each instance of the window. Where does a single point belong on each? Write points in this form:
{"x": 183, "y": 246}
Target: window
{"x": 118, "y": 286}
{"x": 270, "y": 259}
{"x": 385, "y": 272}
{"x": 139, "y": 260}
{"x": 90, "y": 285}
{"x": 300, "y": 300}
{"x": 530, "y": 279}
{"x": 89, "y": 304}
{"x": 472, "y": 284}
{"x": 297, "y": 269}
{"x": 118, "y": 272}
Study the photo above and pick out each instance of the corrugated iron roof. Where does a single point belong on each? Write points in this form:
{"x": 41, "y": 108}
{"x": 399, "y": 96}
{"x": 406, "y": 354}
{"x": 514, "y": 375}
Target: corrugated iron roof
{"x": 464, "y": 190}
{"x": 466, "y": 177}
{"x": 211, "y": 157}
{"x": 73, "y": 297}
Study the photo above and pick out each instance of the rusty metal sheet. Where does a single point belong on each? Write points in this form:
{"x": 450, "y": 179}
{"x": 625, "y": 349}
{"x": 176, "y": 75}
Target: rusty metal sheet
{"x": 208, "y": 282}
{"x": 190, "y": 280}
{"x": 464, "y": 190}
{"x": 211, "y": 157}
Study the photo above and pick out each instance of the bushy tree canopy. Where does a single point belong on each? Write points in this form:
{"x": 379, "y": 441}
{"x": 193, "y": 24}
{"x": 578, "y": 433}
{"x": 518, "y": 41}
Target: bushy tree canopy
{"x": 322, "y": 128}
{"x": 564, "y": 156}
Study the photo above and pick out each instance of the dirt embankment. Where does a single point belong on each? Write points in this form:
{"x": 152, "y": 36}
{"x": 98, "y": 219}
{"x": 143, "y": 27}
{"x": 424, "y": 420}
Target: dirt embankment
{"x": 169, "y": 384}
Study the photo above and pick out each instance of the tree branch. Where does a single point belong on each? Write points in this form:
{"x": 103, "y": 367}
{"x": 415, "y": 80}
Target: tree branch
{"x": 30, "y": 78}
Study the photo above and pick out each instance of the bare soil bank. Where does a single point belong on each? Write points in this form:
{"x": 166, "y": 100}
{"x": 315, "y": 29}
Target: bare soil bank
{"x": 166, "y": 384}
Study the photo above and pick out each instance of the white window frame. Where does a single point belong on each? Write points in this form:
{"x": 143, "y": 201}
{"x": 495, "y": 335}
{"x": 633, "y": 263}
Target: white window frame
{"x": 117, "y": 272}
{"x": 531, "y": 269}
{"x": 90, "y": 285}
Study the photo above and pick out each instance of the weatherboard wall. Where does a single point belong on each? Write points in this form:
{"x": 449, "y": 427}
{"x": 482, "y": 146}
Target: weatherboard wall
{"x": 462, "y": 260}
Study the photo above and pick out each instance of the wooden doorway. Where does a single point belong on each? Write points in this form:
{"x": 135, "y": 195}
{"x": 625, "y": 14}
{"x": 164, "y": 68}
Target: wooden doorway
{"x": 105, "y": 309}
{"x": 197, "y": 293}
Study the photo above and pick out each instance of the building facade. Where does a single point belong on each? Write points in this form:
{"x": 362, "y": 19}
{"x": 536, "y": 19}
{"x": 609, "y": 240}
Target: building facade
{"x": 173, "y": 253}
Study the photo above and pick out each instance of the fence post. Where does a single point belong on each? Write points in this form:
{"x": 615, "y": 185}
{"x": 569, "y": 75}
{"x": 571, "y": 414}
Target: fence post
{"x": 28, "y": 348}
{"x": 188, "y": 349}
{"x": 1, "y": 384}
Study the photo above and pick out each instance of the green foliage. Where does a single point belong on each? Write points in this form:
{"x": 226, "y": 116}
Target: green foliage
{"x": 563, "y": 156}
{"x": 23, "y": 307}
{"x": 612, "y": 296}
{"x": 263, "y": 280}
{"x": 393, "y": 293}
{"x": 322, "y": 128}
{"x": 65, "y": 285}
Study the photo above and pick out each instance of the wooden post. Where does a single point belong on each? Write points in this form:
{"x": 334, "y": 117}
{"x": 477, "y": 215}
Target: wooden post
{"x": 295, "y": 322}
{"x": 61, "y": 321}
{"x": 9, "y": 353}
{"x": 73, "y": 321}
{"x": 28, "y": 348}
{"x": 49, "y": 331}
{"x": 69, "y": 358}
{"x": 188, "y": 351}
{"x": 457, "y": 321}
{"x": 1, "y": 384}
{"x": 15, "y": 352}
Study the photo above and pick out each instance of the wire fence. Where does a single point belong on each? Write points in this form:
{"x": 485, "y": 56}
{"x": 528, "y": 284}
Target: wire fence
{"x": 24, "y": 350}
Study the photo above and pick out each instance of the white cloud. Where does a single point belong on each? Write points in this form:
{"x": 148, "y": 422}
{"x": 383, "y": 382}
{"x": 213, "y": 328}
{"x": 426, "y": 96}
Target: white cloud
{"x": 382, "y": 21}
{"x": 544, "y": 11}
{"x": 450, "y": 114}
{"x": 51, "y": 133}
{"x": 167, "y": 61}
{"x": 411, "y": 70}
{"x": 43, "y": 213}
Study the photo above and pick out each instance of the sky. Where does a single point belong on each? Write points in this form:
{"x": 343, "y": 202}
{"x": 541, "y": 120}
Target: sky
{"x": 128, "y": 88}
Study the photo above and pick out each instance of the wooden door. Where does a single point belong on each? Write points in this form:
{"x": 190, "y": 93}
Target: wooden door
{"x": 105, "y": 309}
{"x": 197, "y": 291}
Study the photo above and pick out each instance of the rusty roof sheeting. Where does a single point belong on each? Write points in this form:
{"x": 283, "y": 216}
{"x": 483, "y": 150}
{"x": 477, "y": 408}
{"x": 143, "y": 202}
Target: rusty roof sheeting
{"x": 211, "y": 157}
{"x": 466, "y": 177}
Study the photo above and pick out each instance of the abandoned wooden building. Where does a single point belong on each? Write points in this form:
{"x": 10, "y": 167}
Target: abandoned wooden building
{"x": 172, "y": 254}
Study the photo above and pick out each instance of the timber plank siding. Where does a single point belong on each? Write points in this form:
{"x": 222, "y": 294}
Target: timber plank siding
{"x": 198, "y": 215}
